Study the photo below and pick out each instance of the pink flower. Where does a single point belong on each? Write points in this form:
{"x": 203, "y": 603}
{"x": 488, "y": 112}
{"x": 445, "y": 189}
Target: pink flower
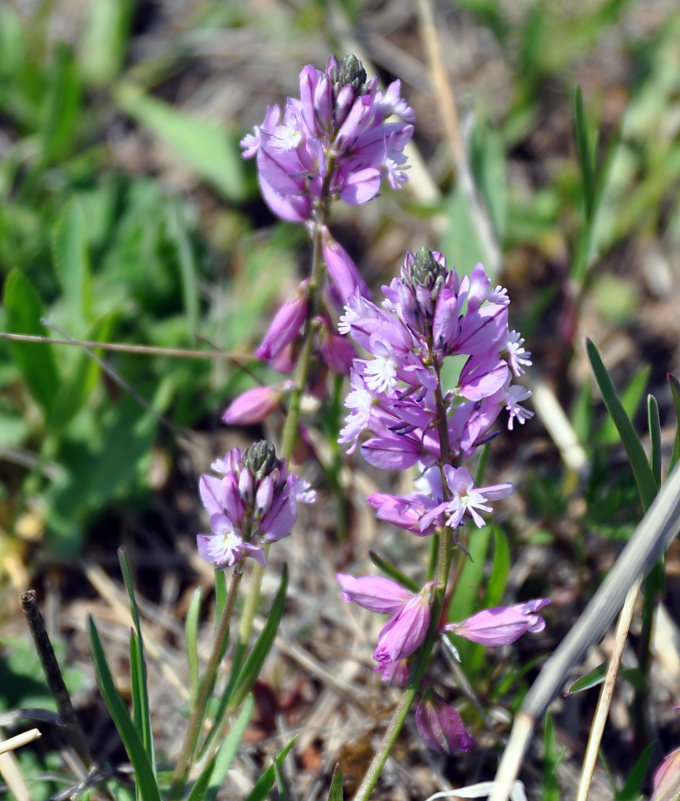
{"x": 252, "y": 406}
{"x": 502, "y": 624}
{"x": 441, "y": 727}
{"x": 286, "y": 325}
{"x": 405, "y": 631}
{"x": 665, "y": 779}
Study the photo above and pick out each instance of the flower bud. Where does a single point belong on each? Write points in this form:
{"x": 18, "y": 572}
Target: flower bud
{"x": 252, "y": 406}
{"x": 440, "y": 726}
{"x": 349, "y": 72}
{"x": 260, "y": 459}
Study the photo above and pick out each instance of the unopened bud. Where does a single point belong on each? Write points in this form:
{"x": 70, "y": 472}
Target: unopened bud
{"x": 260, "y": 459}
{"x": 425, "y": 269}
{"x": 349, "y": 73}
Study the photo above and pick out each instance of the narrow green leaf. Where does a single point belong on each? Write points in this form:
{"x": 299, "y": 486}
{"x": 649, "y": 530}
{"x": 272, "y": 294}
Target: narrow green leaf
{"x": 72, "y": 263}
{"x": 581, "y": 415}
{"x": 654, "y": 423}
{"x": 465, "y": 597}
{"x": 674, "y": 385}
{"x": 481, "y": 464}
{"x": 644, "y": 477}
{"x": 596, "y": 676}
{"x": 225, "y": 756}
{"x": 393, "y": 572}
{"x": 142, "y": 711}
{"x": 237, "y": 659}
{"x": 61, "y": 111}
{"x": 208, "y": 148}
{"x": 266, "y": 781}
{"x": 583, "y": 149}
{"x": 105, "y": 39}
{"x": 551, "y": 761}
{"x": 187, "y": 264}
{"x": 215, "y": 772}
{"x": 220, "y": 595}
{"x": 35, "y": 361}
{"x": 500, "y": 570}
{"x": 632, "y": 789}
{"x": 336, "y": 793}
{"x": 631, "y": 398}
{"x": 191, "y": 639}
{"x": 284, "y": 795}
{"x": 253, "y": 665}
{"x": 81, "y": 376}
{"x": 143, "y": 771}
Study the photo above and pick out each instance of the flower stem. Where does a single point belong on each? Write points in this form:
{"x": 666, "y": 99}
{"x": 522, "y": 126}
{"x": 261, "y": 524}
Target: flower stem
{"x": 422, "y": 660}
{"x": 186, "y": 756}
{"x": 290, "y": 427}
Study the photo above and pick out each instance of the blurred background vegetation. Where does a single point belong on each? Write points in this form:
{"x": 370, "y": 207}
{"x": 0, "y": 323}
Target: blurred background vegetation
{"x": 128, "y": 216}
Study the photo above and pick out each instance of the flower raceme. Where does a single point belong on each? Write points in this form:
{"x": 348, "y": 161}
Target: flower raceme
{"x": 428, "y": 315}
{"x": 253, "y": 503}
{"x": 334, "y": 141}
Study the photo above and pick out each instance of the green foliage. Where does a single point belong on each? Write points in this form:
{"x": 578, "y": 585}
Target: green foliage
{"x": 145, "y": 779}
{"x": 551, "y": 761}
{"x": 209, "y": 149}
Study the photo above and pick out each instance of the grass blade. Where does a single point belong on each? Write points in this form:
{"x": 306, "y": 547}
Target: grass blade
{"x": 335, "y": 793}
{"x": 644, "y": 477}
{"x": 138, "y": 673}
{"x": 144, "y": 774}
{"x": 654, "y": 423}
{"x": 37, "y": 365}
{"x": 191, "y": 638}
{"x": 255, "y": 660}
{"x": 213, "y": 776}
{"x": 393, "y": 572}
{"x": 266, "y": 781}
{"x": 674, "y": 385}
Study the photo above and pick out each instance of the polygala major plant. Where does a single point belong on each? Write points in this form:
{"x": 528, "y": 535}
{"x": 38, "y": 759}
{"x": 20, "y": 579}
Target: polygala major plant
{"x": 407, "y": 404}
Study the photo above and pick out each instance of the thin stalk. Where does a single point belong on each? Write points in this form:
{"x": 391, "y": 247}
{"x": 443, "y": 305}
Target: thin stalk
{"x": 183, "y": 766}
{"x": 441, "y": 575}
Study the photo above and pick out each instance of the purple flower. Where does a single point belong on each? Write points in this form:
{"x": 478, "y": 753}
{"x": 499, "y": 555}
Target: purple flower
{"x": 345, "y": 279}
{"x": 428, "y": 315}
{"x": 502, "y": 624}
{"x": 466, "y": 500}
{"x": 440, "y": 726}
{"x": 332, "y": 142}
{"x": 405, "y": 631}
{"x": 253, "y": 503}
{"x": 286, "y": 325}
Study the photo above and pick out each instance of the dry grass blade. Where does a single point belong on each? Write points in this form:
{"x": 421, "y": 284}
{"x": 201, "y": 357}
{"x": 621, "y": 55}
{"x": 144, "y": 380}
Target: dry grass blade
{"x": 606, "y": 693}
{"x": 655, "y": 532}
{"x": 11, "y": 743}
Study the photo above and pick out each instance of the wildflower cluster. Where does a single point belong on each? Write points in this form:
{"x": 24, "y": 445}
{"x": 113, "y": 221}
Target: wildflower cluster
{"x": 415, "y": 410}
{"x": 334, "y": 142}
{"x": 252, "y": 504}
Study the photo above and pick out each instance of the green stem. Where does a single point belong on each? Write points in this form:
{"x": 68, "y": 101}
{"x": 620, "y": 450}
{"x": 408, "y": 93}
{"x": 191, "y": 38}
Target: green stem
{"x": 290, "y": 427}
{"x": 422, "y": 657}
{"x": 183, "y": 766}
